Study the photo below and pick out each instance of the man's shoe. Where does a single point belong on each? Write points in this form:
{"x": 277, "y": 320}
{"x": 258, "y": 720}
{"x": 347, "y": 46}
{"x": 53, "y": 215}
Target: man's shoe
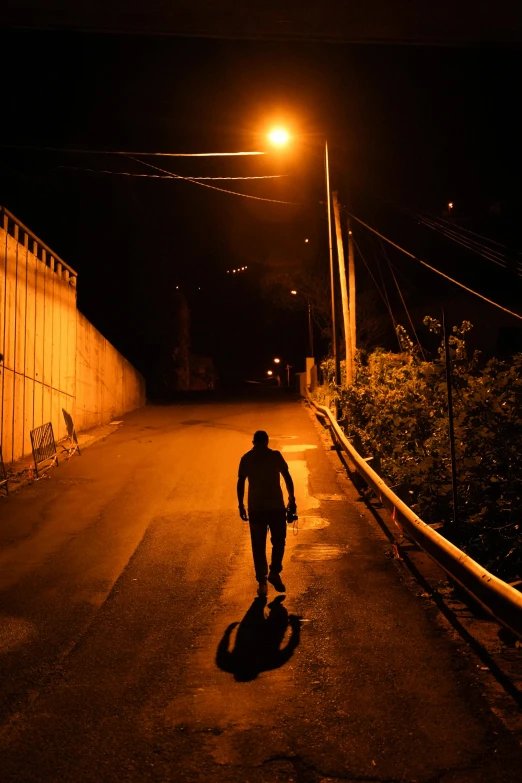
{"x": 262, "y": 590}
{"x": 275, "y": 580}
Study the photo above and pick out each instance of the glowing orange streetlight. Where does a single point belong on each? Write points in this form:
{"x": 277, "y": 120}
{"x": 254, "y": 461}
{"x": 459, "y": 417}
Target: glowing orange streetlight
{"x": 276, "y": 361}
{"x": 279, "y": 137}
{"x": 269, "y": 372}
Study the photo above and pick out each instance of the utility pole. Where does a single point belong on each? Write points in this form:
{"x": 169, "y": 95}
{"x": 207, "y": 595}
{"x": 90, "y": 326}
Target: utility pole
{"x": 336, "y": 358}
{"x": 351, "y": 289}
{"x": 344, "y": 291}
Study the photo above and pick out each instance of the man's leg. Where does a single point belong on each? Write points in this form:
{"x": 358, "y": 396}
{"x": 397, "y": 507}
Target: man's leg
{"x": 258, "y": 531}
{"x": 277, "y": 524}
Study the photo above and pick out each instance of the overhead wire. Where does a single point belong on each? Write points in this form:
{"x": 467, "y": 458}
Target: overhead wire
{"x": 487, "y": 253}
{"x": 434, "y": 269}
{"x": 125, "y": 152}
{"x": 463, "y": 229}
{"x": 384, "y": 297}
{"x": 383, "y": 283}
{"x": 212, "y": 187}
{"x": 403, "y": 301}
{"x": 165, "y": 176}
{"x": 464, "y": 236}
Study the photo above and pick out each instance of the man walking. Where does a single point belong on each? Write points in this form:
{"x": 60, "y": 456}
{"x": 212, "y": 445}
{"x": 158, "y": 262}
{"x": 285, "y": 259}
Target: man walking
{"x": 266, "y": 509}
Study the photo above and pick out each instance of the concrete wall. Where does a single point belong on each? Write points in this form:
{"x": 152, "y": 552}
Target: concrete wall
{"x": 51, "y": 356}
{"x": 107, "y": 385}
{"x": 37, "y": 341}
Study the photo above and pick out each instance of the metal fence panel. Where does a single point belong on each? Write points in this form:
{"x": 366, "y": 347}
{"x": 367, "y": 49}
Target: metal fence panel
{"x": 44, "y": 446}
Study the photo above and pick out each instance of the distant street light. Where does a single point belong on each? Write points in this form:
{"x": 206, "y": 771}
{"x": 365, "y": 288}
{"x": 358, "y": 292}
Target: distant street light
{"x": 269, "y": 372}
{"x": 277, "y": 361}
{"x": 450, "y": 207}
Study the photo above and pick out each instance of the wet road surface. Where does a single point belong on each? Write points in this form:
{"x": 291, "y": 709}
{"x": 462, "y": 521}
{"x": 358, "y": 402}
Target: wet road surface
{"x": 133, "y": 648}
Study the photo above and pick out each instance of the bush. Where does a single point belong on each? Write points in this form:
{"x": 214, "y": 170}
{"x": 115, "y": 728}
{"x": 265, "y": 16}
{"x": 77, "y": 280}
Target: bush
{"x": 398, "y": 406}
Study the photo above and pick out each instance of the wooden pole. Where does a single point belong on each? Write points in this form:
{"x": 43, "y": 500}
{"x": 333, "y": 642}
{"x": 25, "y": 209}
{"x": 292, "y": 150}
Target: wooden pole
{"x": 332, "y": 276}
{"x": 351, "y": 289}
{"x": 344, "y": 290}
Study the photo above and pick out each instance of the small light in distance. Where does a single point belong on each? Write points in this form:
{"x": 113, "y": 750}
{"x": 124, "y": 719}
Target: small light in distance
{"x": 294, "y": 293}
{"x": 269, "y": 372}
{"x": 307, "y": 240}
{"x": 277, "y": 361}
{"x": 279, "y": 136}
{"x": 450, "y": 205}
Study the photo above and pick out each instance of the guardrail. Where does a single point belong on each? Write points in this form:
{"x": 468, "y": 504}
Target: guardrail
{"x": 499, "y": 599}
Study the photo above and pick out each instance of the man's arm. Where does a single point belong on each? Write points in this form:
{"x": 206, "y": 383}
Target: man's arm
{"x": 289, "y": 485}
{"x": 240, "y": 497}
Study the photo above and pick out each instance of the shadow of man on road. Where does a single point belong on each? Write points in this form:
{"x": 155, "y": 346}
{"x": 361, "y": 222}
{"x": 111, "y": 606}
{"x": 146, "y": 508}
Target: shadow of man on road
{"x": 259, "y": 636}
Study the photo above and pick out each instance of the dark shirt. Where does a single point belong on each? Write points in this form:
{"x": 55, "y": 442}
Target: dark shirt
{"x": 263, "y": 467}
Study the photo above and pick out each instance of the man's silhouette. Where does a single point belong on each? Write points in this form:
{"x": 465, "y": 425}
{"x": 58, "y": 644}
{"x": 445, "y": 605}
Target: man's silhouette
{"x": 266, "y": 509}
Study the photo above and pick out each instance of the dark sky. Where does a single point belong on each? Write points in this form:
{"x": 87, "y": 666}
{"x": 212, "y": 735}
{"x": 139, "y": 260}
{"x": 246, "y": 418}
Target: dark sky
{"x": 408, "y": 127}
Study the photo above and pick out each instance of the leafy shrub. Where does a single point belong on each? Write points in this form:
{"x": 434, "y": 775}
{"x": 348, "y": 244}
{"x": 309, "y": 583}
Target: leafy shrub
{"x": 398, "y": 407}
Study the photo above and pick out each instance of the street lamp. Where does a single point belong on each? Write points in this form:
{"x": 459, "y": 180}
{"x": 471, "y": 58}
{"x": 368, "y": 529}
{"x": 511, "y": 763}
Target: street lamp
{"x": 280, "y": 137}
{"x": 450, "y": 207}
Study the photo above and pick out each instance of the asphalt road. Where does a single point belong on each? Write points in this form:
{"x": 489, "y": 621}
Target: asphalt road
{"x": 132, "y": 647}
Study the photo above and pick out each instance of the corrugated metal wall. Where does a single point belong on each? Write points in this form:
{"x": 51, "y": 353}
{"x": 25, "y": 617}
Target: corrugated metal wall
{"x": 37, "y": 337}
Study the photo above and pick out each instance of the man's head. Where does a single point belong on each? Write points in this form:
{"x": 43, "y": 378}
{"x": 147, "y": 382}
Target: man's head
{"x": 260, "y": 438}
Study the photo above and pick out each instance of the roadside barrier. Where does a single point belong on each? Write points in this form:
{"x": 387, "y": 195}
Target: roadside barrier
{"x": 44, "y": 446}
{"x": 499, "y": 599}
{"x": 3, "y": 474}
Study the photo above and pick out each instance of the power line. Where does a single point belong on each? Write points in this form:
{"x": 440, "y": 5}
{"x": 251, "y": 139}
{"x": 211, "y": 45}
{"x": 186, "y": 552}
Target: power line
{"x": 212, "y": 187}
{"x": 488, "y": 254}
{"x": 434, "y": 269}
{"x": 123, "y": 152}
{"x": 461, "y": 228}
{"x": 403, "y": 302}
{"x": 455, "y": 238}
{"x": 384, "y": 296}
{"x": 163, "y": 176}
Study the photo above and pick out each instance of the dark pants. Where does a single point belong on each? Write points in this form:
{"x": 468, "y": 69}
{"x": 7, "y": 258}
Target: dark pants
{"x": 260, "y": 523}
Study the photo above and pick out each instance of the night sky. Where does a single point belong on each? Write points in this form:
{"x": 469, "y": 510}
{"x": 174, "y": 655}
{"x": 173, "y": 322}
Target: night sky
{"x": 409, "y": 128}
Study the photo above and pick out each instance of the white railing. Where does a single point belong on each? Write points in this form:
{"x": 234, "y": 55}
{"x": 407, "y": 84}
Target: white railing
{"x": 40, "y": 250}
{"x": 499, "y": 599}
